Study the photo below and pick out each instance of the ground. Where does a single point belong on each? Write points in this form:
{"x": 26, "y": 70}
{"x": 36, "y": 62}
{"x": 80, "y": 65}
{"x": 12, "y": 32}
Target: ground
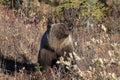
{"x": 99, "y": 51}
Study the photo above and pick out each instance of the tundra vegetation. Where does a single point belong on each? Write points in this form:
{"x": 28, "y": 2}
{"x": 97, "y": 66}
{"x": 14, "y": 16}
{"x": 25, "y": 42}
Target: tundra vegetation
{"x": 96, "y": 37}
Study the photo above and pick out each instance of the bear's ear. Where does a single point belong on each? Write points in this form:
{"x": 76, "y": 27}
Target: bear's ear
{"x": 49, "y": 22}
{"x": 48, "y": 27}
{"x": 71, "y": 25}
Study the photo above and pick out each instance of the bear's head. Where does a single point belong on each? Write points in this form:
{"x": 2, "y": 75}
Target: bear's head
{"x": 60, "y": 30}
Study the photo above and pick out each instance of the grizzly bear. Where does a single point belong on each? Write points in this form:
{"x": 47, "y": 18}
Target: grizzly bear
{"x": 55, "y": 41}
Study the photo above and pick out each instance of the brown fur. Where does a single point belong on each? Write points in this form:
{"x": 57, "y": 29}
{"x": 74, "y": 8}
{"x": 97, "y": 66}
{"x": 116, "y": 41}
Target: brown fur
{"x": 55, "y": 41}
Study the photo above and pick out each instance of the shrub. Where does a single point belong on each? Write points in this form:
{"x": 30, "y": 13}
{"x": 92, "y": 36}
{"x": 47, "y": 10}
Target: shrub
{"x": 79, "y": 12}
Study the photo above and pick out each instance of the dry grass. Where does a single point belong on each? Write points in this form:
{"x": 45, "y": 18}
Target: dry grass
{"x": 99, "y": 51}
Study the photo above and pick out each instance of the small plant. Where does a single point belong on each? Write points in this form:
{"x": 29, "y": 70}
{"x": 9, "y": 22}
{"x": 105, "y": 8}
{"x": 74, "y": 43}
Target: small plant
{"x": 38, "y": 67}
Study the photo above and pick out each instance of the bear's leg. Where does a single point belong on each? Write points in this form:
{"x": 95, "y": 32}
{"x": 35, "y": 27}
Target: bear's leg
{"x": 46, "y": 58}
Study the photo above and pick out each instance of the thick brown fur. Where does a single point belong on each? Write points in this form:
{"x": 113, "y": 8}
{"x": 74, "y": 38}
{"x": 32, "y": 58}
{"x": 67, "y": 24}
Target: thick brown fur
{"x": 55, "y": 41}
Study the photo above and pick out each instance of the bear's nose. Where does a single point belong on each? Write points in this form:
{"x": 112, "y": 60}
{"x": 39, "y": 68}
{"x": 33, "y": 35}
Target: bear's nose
{"x": 70, "y": 28}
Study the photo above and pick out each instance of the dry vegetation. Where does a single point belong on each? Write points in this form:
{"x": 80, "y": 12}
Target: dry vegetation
{"x": 20, "y": 34}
